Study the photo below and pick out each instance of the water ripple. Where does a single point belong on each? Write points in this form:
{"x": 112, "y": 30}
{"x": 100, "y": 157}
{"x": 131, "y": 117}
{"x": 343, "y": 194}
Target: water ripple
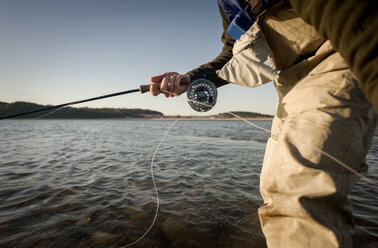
{"x": 88, "y": 184}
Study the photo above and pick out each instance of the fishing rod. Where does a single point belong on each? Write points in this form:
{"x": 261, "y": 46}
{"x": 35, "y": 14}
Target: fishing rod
{"x": 201, "y": 94}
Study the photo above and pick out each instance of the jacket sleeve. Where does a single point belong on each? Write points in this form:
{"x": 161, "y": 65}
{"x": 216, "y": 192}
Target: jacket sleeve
{"x": 209, "y": 70}
{"x": 351, "y": 26}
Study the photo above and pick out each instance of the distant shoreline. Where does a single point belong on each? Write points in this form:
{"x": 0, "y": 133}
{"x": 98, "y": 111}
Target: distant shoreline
{"x": 153, "y": 118}
{"x": 195, "y": 118}
{"x": 10, "y": 109}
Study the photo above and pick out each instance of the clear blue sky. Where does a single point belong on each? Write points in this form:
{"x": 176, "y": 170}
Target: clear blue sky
{"x": 56, "y": 51}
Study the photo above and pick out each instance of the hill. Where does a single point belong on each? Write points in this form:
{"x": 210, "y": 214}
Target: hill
{"x": 76, "y": 113}
{"x": 243, "y": 114}
{"x": 106, "y": 113}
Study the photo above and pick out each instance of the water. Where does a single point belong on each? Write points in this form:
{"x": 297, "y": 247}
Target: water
{"x": 87, "y": 183}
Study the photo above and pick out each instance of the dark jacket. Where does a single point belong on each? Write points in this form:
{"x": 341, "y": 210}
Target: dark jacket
{"x": 352, "y": 28}
{"x": 208, "y": 70}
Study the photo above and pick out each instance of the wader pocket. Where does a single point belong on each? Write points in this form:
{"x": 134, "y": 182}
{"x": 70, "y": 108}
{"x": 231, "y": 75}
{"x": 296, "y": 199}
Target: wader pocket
{"x": 253, "y": 61}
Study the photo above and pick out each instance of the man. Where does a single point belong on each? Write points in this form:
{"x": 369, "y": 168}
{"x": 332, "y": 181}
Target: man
{"x": 321, "y": 107}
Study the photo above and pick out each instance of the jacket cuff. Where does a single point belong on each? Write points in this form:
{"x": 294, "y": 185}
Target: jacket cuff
{"x": 212, "y": 76}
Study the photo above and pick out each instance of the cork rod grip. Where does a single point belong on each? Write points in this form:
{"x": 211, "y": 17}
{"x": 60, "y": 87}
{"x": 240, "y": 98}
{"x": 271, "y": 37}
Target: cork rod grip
{"x": 144, "y": 88}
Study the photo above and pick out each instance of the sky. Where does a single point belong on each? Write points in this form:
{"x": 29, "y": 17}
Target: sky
{"x": 57, "y": 51}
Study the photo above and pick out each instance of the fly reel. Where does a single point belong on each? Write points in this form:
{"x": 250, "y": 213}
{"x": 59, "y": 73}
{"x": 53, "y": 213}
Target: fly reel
{"x": 202, "y": 95}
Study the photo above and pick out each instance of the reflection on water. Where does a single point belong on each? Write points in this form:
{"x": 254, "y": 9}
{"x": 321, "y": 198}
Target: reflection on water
{"x": 76, "y": 183}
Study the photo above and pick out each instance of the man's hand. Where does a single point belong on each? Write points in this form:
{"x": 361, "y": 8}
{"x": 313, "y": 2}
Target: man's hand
{"x": 171, "y": 84}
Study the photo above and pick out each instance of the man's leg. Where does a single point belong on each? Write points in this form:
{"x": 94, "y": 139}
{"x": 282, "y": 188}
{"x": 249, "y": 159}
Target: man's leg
{"x": 305, "y": 192}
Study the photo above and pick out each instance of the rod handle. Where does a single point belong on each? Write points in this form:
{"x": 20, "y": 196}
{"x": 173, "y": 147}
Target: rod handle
{"x": 144, "y": 88}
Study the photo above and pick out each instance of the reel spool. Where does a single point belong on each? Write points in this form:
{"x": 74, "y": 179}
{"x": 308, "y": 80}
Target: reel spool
{"x": 202, "y": 95}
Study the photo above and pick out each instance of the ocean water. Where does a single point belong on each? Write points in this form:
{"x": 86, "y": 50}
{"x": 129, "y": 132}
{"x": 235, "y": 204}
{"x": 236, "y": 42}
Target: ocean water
{"x": 87, "y": 183}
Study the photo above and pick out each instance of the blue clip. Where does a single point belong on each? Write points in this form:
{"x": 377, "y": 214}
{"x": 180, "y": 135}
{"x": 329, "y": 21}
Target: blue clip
{"x": 239, "y": 25}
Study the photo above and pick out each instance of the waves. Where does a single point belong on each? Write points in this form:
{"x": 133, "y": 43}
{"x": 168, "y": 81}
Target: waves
{"x": 87, "y": 184}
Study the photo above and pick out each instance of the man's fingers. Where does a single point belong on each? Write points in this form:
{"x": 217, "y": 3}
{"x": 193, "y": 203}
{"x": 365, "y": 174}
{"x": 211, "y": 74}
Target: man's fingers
{"x": 171, "y": 84}
{"x": 159, "y": 78}
{"x": 177, "y": 83}
{"x": 155, "y": 89}
{"x": 164, "y": 86}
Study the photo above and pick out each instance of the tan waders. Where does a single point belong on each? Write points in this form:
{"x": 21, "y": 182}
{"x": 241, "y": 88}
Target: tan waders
{"x": 320, "y": 107}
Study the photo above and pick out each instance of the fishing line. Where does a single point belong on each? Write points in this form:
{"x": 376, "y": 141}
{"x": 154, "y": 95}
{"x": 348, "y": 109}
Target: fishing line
{"x": 56, "y": 110}
{"x": 156, "y": 190}
{"x": 251, "y": 124}
{"x": 323, "y": 152}
{"x": 347, "y": 167}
